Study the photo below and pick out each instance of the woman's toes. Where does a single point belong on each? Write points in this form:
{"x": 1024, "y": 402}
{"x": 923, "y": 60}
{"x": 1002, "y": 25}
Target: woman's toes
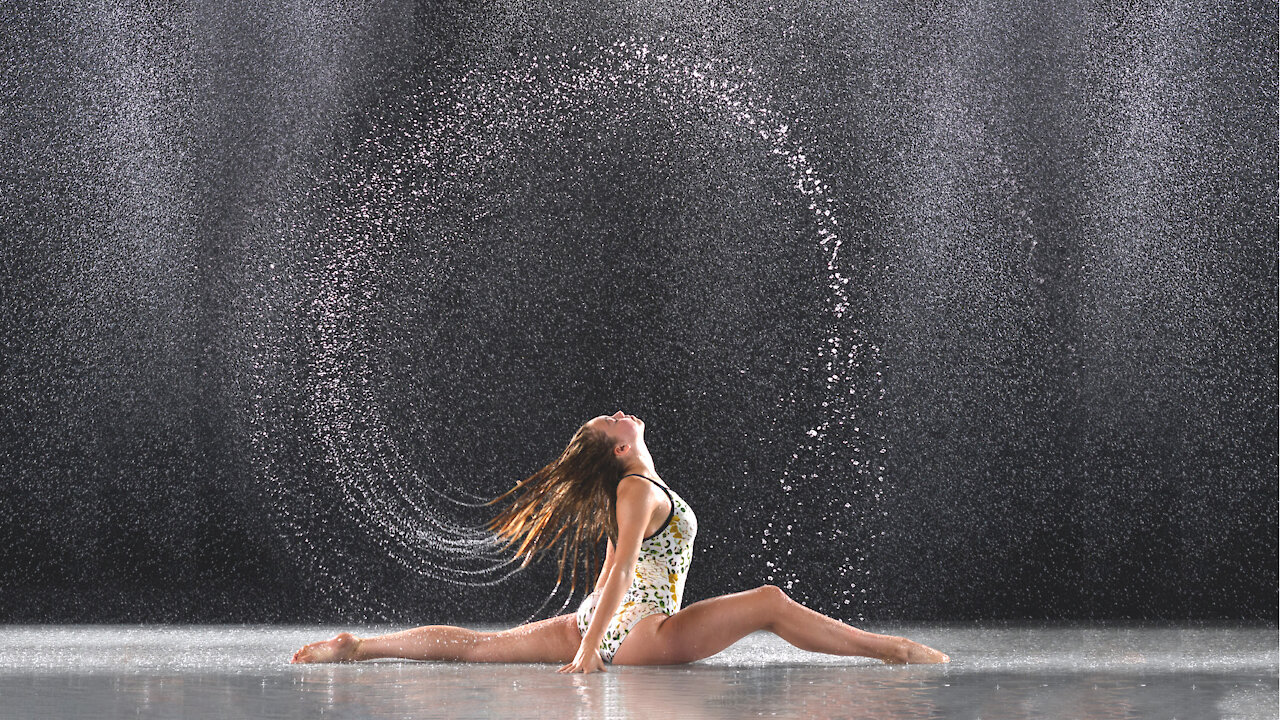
{"x": 906, "y": 651}
{"x": 925, "y": 655}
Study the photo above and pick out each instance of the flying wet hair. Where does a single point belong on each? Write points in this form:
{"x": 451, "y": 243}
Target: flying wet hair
{"x": 578, "y": 492}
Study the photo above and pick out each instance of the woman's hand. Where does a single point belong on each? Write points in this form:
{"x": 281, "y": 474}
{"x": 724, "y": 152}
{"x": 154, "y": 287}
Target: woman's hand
{"x": 587, "y": 660}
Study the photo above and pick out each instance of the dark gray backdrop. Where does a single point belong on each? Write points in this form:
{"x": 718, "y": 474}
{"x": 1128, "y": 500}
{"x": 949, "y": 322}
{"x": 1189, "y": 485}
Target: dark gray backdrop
{"x": 270, "y": 273}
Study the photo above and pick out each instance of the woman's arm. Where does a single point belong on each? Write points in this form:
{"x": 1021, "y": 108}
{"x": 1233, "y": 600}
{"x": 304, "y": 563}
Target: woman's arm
{"x": 635, "y": 507}
{"x": 604, "y": 571}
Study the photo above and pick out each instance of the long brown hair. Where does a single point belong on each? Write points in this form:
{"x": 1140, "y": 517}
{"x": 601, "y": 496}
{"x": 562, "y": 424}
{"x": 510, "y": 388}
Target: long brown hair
{"x": 578, "y": 492}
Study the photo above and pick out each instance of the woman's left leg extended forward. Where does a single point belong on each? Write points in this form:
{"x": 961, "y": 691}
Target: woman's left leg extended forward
{"x": 554, "y": 640}
{"x": 709, "y": 626}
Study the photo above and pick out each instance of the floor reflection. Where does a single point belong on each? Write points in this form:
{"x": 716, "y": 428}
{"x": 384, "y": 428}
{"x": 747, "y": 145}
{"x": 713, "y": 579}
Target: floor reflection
{"x": 79, "y": 672}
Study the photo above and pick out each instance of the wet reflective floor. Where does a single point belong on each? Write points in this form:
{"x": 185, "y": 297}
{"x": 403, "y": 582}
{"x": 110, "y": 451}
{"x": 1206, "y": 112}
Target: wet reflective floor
{"x": 1003, "y": 671}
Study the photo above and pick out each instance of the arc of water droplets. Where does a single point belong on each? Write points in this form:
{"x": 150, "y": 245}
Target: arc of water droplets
{"x": 451, "y": 152}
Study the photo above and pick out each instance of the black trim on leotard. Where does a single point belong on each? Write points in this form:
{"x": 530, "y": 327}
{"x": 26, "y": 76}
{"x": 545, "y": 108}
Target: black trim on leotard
{"x": 664, "y": 524}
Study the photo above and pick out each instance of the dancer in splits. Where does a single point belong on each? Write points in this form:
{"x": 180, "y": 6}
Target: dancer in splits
{"x": 604, "y": 482}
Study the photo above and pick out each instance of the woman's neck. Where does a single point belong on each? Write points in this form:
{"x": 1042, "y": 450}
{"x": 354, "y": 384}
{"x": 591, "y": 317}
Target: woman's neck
{"x": 641, "y": 464}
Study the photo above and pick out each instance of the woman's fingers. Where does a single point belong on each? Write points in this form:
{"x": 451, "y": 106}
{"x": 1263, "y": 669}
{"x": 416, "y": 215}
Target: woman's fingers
{"x": 584, "y": 667}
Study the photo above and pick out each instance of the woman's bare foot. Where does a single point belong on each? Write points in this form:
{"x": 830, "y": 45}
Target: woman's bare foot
{"x": 913, "y": 653}
{"x": 340, "y": 649}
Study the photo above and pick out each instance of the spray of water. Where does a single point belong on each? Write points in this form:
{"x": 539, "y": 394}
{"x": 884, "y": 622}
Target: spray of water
{"x": 456, "y": 135}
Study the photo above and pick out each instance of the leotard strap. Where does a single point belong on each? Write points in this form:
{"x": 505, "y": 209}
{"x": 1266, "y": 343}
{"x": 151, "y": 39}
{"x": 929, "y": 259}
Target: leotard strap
{"x": 671, "y": 514}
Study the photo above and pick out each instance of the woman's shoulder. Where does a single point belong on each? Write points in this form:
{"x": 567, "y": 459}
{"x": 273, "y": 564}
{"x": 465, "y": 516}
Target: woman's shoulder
{"x": 642, "y": 481}
{"x": 637, "y": 482}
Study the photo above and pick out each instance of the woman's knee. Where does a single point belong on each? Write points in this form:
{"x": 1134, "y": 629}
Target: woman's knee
{"x": 775, "y": 601}
{"x": 773, "y": 594}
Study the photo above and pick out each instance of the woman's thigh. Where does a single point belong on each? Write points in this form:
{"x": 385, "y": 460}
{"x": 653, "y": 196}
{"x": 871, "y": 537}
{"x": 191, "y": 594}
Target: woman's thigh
{"x": 553, "y": 640}
{"x": 641, "y": 645}
{"x": 699, "y": 630}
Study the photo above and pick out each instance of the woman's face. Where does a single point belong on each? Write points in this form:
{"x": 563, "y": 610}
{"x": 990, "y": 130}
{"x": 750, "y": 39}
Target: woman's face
{"x": 623, "y": 429}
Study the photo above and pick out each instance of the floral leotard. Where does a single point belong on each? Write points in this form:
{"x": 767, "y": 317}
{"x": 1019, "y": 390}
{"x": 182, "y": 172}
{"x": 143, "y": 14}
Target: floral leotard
{"x": 658, "y": 585}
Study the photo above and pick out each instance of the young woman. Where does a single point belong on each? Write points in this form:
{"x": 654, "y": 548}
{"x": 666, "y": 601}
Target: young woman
{"x": 605, "y": 482}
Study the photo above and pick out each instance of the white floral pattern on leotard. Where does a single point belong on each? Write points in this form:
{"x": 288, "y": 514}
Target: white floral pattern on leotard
{"x": 658, "y": 585}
